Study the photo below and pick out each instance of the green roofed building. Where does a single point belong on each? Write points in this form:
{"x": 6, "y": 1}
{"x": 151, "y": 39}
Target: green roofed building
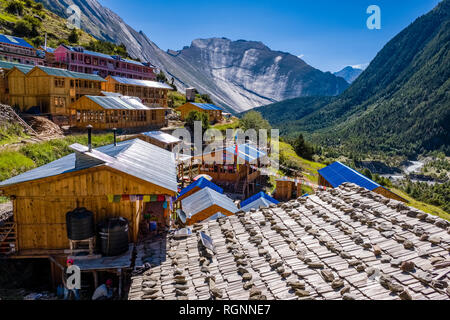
{"x": 47, "y": 90}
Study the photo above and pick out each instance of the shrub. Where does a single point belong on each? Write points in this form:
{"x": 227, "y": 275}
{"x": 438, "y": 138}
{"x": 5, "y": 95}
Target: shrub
{"x": 15, "y": 7}
{"x": 73, "y": 37}
{"x": 23, "y": 28}
{"x": 39, "y": 6}
{"x": 197, "y": 116}
{"x": 253, "y": 120}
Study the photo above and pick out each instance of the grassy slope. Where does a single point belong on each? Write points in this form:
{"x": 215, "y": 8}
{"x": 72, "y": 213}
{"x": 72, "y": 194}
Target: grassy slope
{"x": 55, "y": 26}
{"x": 423, "y": 206}
{"x": 30, "y": 156}
{"x": 11, "y": 133}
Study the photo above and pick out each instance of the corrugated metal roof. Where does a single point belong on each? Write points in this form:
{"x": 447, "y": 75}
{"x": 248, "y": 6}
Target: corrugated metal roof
{"x": 246, "y": 151}
{"x": 58, "y": 72}
{"x": 25, "y": 68}
{"x": 215, "y": 217}
{"x": 142, "y": 83}
{"x": 111, "y": 94}
{"x": 162, "y": 136}
{"x": 338, "y": 173}
{"x": 206, "y": 106}
{"x": 92, "y": 53}
{"x": 201, "y": 183}
{"x": 118, "y": 103}
{"x": 15, "y": 41}
{"x": 133, "y": 157}
{"x": 257, "y": 201}
{"x": 133, "y": 62}
{"x": 204, "y": 199}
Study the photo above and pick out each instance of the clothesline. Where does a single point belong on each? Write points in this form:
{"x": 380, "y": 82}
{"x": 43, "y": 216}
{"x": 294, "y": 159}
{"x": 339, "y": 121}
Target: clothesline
{"x": 295, "y": 180}
{"x": 166, "y": 200}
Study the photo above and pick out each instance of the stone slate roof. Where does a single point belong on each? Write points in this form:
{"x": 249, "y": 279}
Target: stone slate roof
{"x": 345, "y": 243}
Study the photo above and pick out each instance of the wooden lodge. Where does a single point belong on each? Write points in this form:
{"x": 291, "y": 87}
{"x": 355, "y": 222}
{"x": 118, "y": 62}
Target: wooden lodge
{"x": 132, "y": 179}
{"x": 152, "y": 93}
{"x": 204, "y": 204}
{"x": 337, "y": 173}
{"x": 233, "y": 168}
{"x": 51, "y": 90}
{"x": 214, "y": 112}
{"x": 5, "y": 67}
{"x": 115, "y": 111}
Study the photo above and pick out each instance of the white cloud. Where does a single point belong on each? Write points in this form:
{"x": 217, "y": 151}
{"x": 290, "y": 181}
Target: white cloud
{"x": 300, "y": 56}
{"x": 361, "y": 66}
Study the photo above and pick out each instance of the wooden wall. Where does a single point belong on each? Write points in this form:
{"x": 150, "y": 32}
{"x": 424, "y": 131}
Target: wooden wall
{"x": 284, "y": 190}
{"x": 205, "y": 214}
{"x": 40, "y": 206}
{"x": 85, "y": 111}
{"x": 214, "y": 115}
{"x": 389, "y": 194}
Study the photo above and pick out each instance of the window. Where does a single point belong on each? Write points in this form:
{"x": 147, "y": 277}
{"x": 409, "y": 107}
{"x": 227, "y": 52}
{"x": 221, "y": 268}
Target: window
{"x": 153, "y": 115}
{"x": 60, "y": 102}
{"x": 59, "y": 83}
{"x": 72, "y": 83}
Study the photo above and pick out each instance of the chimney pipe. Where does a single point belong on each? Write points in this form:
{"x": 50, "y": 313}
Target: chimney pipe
{"x": 115, "y": 136}
{"x": 89, "y": 127}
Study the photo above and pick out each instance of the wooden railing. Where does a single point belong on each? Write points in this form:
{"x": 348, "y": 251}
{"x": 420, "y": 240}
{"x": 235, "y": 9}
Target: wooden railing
{"x": 7, "y": 238}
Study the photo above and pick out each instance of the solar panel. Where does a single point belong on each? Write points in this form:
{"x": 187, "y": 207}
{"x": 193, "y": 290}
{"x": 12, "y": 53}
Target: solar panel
{"x": 207, "y": 242}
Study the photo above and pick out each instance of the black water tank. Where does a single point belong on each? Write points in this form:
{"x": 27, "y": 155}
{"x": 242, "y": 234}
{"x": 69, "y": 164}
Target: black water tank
{"x": 113, "y": 236}
{"x": 80, "y": 224}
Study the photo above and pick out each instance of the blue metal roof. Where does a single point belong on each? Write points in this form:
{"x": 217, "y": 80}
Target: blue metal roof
{"x": 257, "y": 196}
{"x": 246, "y": 151}
{"x": 206, "y": 106}
{"x": 338, "y": 173}
{"x": 15, "y": 41}
{"x": 201, "y": 183}
{"x": 205, "y": 199}
{"x": 133, "y": 157}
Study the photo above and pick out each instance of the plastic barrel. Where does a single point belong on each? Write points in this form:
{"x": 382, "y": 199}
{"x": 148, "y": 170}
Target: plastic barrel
{"x": 80, "y": 224}
{"x": 113, "y": 236}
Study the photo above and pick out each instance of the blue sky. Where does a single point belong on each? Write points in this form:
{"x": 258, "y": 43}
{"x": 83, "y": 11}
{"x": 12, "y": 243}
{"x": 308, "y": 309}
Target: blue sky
{"x": 327, "y": 34}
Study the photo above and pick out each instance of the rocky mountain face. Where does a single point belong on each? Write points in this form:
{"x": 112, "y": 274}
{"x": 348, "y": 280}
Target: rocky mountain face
{"x": 350, "y": 74}
{"x": 239, "y": 75}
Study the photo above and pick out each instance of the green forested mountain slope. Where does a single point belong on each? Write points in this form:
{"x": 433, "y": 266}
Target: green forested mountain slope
{"x": 400, "y": 103}
{"x": 283, "y": 115}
